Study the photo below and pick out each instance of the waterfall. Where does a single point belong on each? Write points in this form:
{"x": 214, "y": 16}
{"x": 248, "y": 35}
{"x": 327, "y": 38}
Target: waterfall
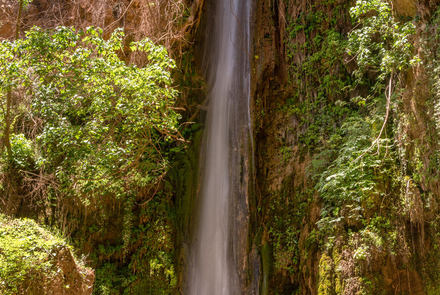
{"x": 216, "y": 263}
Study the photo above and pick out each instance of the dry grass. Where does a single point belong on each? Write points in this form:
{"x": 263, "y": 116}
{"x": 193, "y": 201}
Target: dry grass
{"x": 165, "y": 22}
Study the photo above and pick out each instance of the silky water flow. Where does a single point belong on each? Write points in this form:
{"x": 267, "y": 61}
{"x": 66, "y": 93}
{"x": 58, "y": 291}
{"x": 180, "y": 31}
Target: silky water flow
{"x": 213, "y": 263}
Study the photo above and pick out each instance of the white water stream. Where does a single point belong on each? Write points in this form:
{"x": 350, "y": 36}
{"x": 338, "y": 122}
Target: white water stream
{"x": 213, "y": 265}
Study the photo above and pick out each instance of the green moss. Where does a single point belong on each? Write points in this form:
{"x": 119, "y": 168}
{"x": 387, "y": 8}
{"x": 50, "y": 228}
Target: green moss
{"x": 27, "y": 251}
{"x": 338, "y": 282}
{"x": 325, "y": 276}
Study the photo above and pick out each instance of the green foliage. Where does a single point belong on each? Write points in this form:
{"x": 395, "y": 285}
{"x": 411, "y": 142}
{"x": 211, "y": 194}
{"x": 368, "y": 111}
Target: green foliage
{"x": 286, "y": 154}
{"x": 22, "y": 152}
{"x": 106, "y": 276}
{"x": 156, "y": 238}
{"x": 98, "y": 135}
{"x": 343, "y": 117}
{"x": 315, "y": 55}
{"x": 379, "y": 43}
{"x": 351, "y": 186}
{"x": 285, "y": 212}
{"x": 103, "y": 121}
{"x": 150, "y": 249}
{"x": 321, "y": 68}
{"x": 431, "y": 50}
{"x": 356, "y": 130}
{"x": 425, "y": 160}
{"x": 350, "y": 177}
{"x": 357, "y": 172}
{"x": 321, "y": 82}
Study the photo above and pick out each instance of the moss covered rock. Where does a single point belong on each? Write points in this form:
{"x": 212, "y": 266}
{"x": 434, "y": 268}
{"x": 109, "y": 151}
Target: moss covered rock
{"x": 34, "y": 261}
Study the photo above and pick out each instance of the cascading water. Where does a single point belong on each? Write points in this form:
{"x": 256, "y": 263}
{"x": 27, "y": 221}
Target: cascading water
{"x": 215, "y": 255}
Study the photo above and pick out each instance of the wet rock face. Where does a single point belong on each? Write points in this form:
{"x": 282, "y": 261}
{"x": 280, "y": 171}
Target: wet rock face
{"x": 78, "y": 279}
{"x": 405, "y": 8}
{"x": 281, "y": 163}
{"x": 426, "y": 8}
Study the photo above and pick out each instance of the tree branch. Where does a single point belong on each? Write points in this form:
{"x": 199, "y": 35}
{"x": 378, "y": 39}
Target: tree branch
{"x": 384, "y": 122}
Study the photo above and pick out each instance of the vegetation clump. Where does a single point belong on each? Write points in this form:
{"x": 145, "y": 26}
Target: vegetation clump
{"x": 34, "y": 260}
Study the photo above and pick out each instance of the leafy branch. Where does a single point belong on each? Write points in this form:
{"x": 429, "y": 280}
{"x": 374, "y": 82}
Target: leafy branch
{"x": 382, "y": 45}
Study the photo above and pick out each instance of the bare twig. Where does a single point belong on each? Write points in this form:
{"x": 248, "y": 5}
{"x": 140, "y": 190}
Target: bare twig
{"x": 157, "y": 188}
{"x": 122, "y": 15}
